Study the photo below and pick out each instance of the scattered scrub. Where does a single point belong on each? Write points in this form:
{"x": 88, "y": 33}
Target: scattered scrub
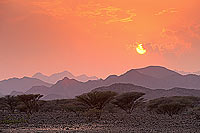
{"x": 171, "y": 105}
{"x": 30, "y": 103}
{"x": 129, "y": 101}
{"x": 96, "y": 100}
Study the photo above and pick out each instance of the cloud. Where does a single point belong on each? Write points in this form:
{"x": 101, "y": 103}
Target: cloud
{"x": 172, "y": 41}
{"x": 107, "y": 14}
{"x": 130, "y": 17}
{"x": 168, "y": 41}
{"x": 166, "y": 11}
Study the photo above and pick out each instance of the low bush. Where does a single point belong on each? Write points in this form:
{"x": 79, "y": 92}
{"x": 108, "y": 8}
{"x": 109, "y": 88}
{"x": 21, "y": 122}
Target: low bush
{"x": 30, "y": 103}
{"x": 172, "y": 105}
{"x": 95, "y": 101}
{"x": 128, "y": 101}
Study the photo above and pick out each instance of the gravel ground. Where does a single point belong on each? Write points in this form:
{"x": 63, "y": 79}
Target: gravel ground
{"x": 63, "y": 122}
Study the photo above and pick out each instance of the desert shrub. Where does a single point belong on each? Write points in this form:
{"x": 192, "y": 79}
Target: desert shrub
{"x": 30, "y": 103}
{"x": 96, "y": 100}
{"x": 170, "y": 109}
{"x": 128, "y": 101}
{"x": 75, "y": 108}
{"x": 9, "y": 103}
{"x": 65, "y": 105}
{"x": 70, "y": 105}
{"x": 172, "y": 105}
{"x": 50, "y": 106}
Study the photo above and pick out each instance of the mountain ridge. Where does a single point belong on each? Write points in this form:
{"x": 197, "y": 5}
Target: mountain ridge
{"x": 149, "y": 93}
{"x": 20, "y": 84}
{"x": 166, "y": 80}
{"x": 59, "y": 76}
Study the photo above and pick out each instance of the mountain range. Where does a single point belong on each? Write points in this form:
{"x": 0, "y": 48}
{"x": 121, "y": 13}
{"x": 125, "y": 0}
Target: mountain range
{"x": 59, "y": 76}
{"x": 186, "y": 73}
{"x": 20, "y": 84}
{"x": 154, "y": 77}
{"x": 149, "y": 93}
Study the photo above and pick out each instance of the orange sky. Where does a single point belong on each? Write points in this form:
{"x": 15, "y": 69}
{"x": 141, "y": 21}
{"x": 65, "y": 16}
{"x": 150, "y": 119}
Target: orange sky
{"x": 97, "y": 37}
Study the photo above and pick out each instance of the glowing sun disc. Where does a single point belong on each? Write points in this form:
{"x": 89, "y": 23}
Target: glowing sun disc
{"x": 140, "y": 49}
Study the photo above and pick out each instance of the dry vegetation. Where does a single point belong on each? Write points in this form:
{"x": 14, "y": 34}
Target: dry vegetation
{"x": 106, "y": 110}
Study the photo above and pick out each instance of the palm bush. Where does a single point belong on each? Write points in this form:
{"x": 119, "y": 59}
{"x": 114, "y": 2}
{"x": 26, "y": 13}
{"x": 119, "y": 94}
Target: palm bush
{"x": 96, "y": 100}
{"x": 129, "y": 101}
{"x": 170, "y": 109}
{"x": 172, "y": 105}
{"x": 30, "y": 103}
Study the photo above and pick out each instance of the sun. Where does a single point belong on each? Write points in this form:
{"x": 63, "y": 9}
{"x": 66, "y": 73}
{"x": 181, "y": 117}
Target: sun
{"x": 140, "y": 49}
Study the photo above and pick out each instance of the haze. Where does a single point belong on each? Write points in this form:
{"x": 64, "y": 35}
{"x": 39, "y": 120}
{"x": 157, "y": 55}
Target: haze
{"x": 97, "y": 37}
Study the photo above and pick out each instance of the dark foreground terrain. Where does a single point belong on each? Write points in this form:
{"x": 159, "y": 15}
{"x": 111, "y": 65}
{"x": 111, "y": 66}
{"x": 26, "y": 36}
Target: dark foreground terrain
{"x": 139, "y": 121}
{"x": 100, "y": 112}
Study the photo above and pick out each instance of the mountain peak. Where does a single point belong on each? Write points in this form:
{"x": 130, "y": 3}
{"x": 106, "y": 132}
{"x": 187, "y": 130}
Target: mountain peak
{"x": 25, "y": 77}
{"x": 37, "y": 74}
{"x": 20, "y": 84}
{"x": 59, "y": 76}
{"x": 66, "y": 80}
{"x": 157, "y": 71}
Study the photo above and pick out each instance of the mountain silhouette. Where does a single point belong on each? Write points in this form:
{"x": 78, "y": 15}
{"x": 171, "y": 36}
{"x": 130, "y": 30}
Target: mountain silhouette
{"x": 59, "y": 88}
{"x": 154, "y": 77}
{"x": 157, "y": 71}
{"x": 186, "y": 73}
{"x": 20, "y": 84}
{"x": 43, "y": 90}
{"x": 149, "y": 93}
{"x": 85, "y": 78}
{"x": 123, "y": 88}
{"x": 59, "y": 76}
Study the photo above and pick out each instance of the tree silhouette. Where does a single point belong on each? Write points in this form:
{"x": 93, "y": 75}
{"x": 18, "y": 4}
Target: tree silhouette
{"x": 128, "y": 101}
{"x": 96, "y": 100}
{"x": 170, "y": 109}
{"x": 30, "y": 103}
{"x": 169, "y": 105}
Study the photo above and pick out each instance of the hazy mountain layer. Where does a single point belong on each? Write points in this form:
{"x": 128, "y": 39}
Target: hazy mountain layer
{"x": 149, "y": 93}
{"x": 59, "y": 76}
{"x": 20, "y": 84}
{"x": 154, "y": 77}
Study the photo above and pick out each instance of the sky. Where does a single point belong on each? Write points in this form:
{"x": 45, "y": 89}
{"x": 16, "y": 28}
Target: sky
{"x": 97, "y": 37}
